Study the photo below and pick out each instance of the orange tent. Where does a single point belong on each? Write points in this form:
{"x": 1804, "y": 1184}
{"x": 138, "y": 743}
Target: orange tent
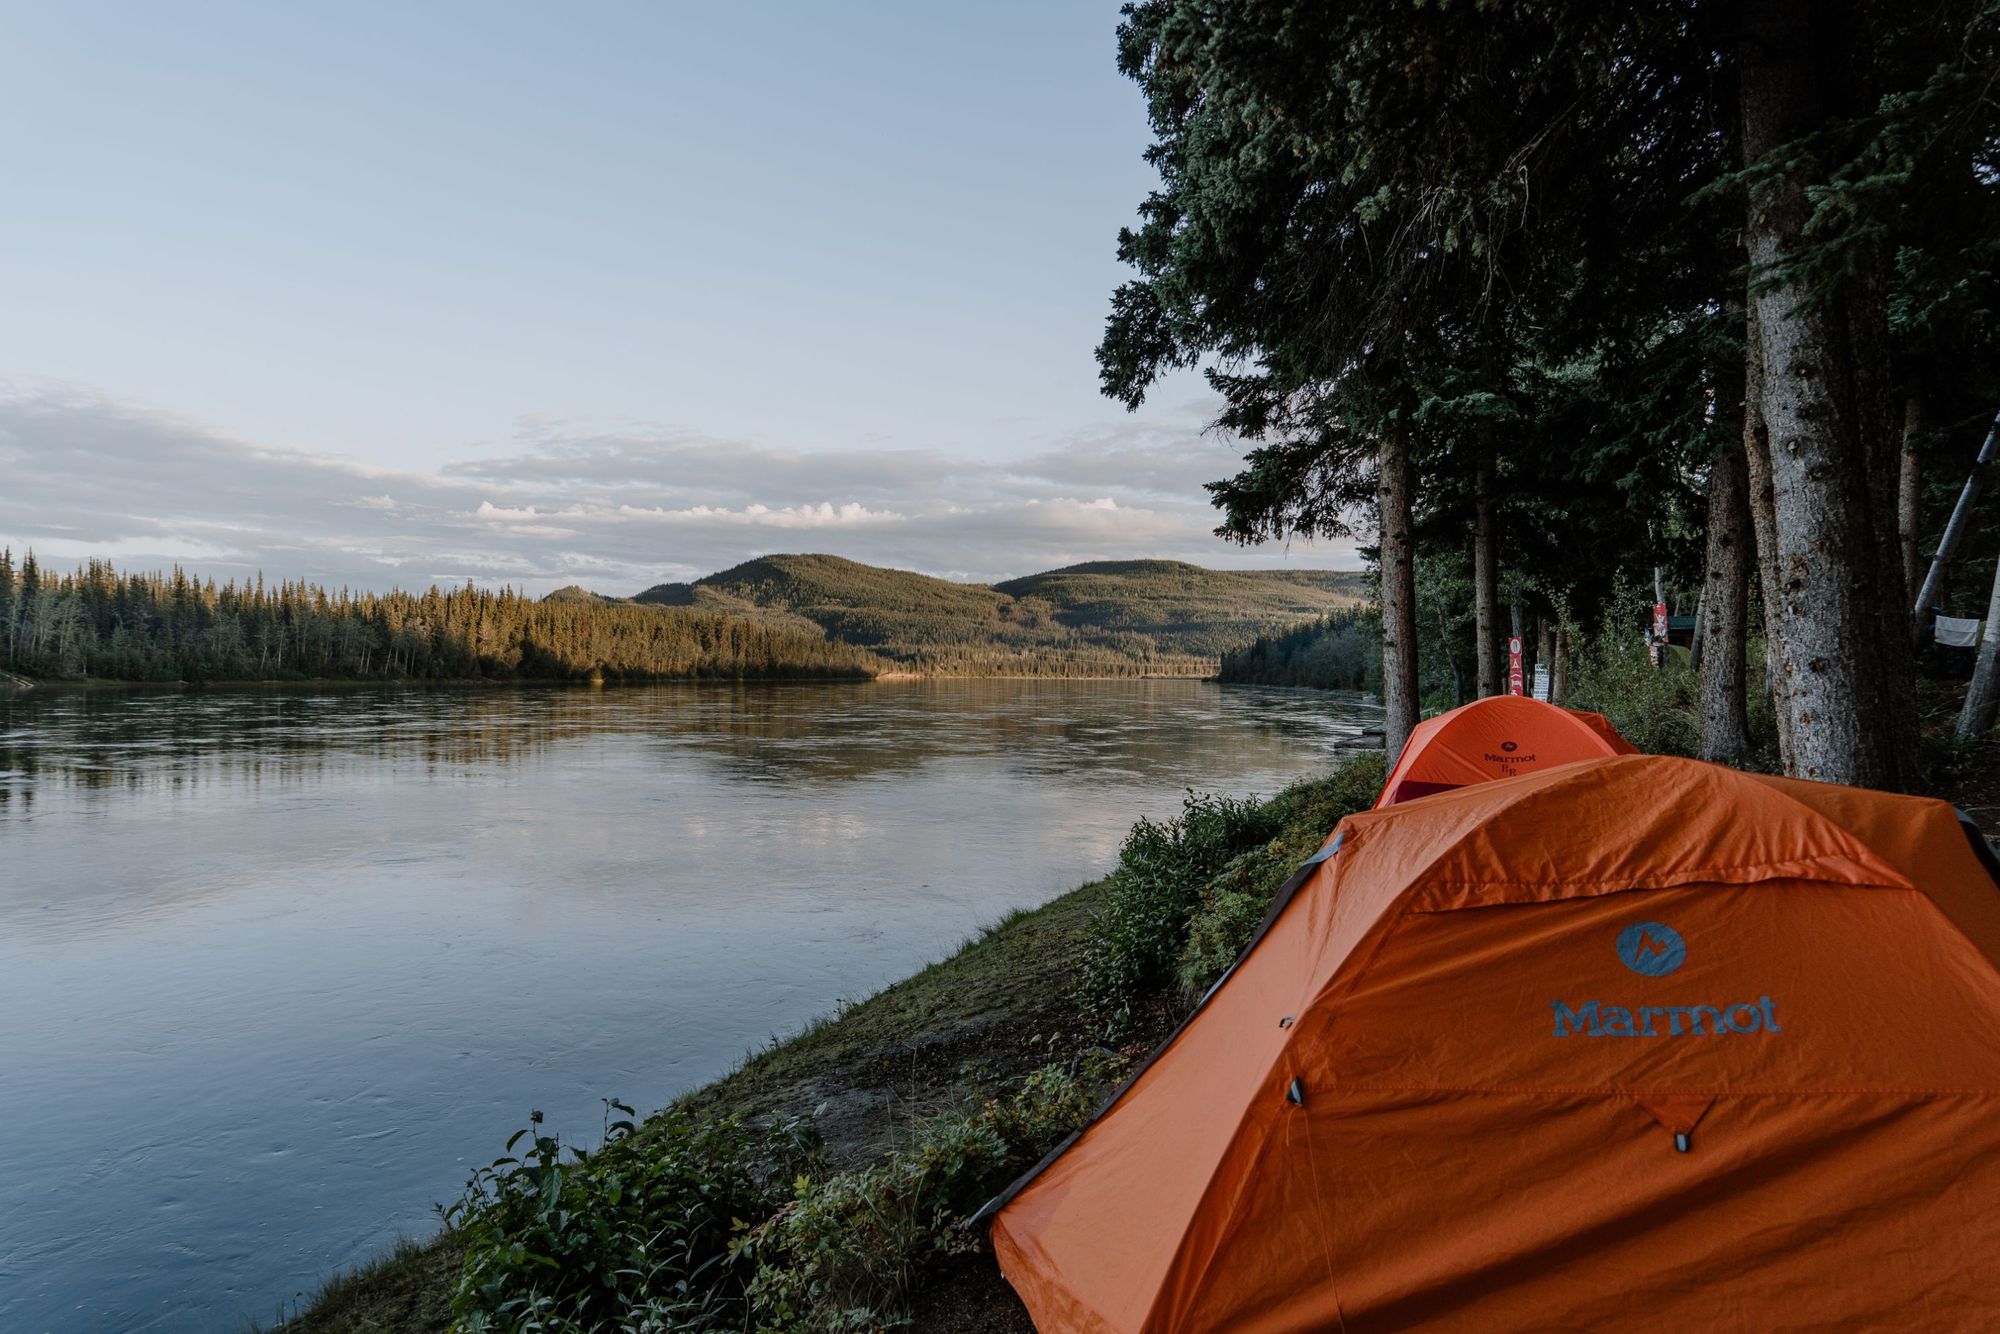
{"x": 1501, "y": 736}
{"x": 1638, "y": 1043}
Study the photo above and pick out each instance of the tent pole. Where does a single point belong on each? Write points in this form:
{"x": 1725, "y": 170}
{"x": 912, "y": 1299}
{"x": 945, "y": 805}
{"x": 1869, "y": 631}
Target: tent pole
{"x": 1961, "y": 514}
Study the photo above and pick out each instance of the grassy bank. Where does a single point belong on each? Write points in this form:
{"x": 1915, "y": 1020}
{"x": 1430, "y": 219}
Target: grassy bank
{"x": 850, "y": 1152}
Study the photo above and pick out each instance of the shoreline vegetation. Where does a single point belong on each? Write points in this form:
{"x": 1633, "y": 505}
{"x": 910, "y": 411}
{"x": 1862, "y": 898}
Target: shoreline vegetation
{"x": 775, "y": 618}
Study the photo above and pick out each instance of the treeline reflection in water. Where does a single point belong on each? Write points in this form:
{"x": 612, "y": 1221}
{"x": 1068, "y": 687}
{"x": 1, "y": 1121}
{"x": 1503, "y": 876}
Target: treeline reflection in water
{"x": 130, "y": 740}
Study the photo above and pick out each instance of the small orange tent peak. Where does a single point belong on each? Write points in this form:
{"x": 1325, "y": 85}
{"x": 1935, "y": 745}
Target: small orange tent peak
{"x": 1502, "y": 736}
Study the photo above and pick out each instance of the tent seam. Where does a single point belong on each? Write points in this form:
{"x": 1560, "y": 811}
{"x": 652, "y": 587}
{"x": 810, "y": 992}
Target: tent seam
{"x": 1565, "y": 1091}
{"x": 1691, "y": 876}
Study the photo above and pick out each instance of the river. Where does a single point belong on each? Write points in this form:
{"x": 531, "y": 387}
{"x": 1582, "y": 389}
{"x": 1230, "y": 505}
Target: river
{"x": 277, "y": 966}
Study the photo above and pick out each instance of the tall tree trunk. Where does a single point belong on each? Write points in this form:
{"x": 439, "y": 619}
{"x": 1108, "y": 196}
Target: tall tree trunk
{"x": 1486, "y": 583}
{"x": 1982, "y": 698}
{"x": 1879, "y": 413}
{"x": 1399, "y": 591}
{"x": 1559, "y": 665}
{"x": 1763, "y": 523}
{"x": 1725, "y": 611}
{"x": 1451, "y": 658}
{"x": 1910, "y": 503}
{"x": 1835, "y": 670}
{"x": 1656, "y": 634}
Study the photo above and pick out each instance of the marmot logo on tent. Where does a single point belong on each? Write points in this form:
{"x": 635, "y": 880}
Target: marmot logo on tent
{"x": 1650, "y": 949}
{"x": 1598, "y": 1020}
{"x": 1510, "y": 746}
{"x": 1653, "y": 949}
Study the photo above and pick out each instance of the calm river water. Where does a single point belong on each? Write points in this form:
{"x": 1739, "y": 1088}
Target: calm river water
{"x": 276, "y": 967}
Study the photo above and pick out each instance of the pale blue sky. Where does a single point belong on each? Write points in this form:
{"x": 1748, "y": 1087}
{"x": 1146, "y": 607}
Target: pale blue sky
{"x": 545, "y": 272}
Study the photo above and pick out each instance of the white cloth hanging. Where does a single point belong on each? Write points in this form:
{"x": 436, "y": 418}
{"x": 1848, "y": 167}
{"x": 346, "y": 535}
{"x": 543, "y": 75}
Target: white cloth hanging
{"x": 1957, "y": 632}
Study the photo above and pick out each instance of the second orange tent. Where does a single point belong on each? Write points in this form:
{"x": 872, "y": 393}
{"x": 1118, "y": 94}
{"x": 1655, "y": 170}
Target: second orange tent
{"x": 1503, "y": 736}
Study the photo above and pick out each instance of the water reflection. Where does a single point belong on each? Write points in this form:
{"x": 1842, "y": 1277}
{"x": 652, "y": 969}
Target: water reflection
{"x": 277, "y": 964}
{"x": 103, "y": 741}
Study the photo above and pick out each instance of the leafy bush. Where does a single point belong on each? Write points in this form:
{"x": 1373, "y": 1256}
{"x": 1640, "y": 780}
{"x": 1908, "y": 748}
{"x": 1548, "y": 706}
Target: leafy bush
{"x": 1188, "y": 893}
{"x": 1138, "y": 934}
{"x": 634, "y": 1236}
{"x": 848, "y": 1251}
{"x": 1233, "y": 904}
{"x": 1657, "y": 709}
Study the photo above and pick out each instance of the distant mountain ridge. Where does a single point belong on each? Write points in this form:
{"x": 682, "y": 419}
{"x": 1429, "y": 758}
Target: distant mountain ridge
{"x": 1098, "y": 618}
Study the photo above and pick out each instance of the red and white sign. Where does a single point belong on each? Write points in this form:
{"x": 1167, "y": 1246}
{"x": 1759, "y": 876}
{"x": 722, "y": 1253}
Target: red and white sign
{"x": 1514, "y": 682}
{"x": 1660, "y": 621}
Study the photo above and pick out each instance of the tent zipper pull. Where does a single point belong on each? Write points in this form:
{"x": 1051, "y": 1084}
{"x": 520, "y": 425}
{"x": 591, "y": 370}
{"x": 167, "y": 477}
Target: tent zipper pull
{"x": 1296, "y": 1093}
{"x": 1682, "y": 1142}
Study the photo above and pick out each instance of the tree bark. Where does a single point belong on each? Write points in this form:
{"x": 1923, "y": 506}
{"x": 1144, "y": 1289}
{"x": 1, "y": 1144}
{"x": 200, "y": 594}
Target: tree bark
{"x": 1399, "y": 592}
{"x": 1559, "y": 665}
{"x": 1695, "y": 641}
{"x": 1982, "y": 698}
{"x": 1486, "y": 584}
{"x": 1725, "y": 612}
{"x": 1833, "y": 669}
{"x": 1909, "y": 504}
{"x": 1757, "y": 469}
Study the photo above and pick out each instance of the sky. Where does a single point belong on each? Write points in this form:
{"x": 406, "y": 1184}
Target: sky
{"x": 391, "y": 294}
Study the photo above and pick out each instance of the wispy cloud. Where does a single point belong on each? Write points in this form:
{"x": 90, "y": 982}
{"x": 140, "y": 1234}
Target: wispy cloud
{"x": 615, "y": 506}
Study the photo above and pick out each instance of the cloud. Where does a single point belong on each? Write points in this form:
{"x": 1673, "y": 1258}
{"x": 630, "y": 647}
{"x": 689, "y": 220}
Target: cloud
{"x": 616, "y": 506}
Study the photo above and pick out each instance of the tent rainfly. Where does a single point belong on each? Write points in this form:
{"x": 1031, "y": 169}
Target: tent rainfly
{"x": 1638, "y": 1043}
{"x": 1501, "y": 736}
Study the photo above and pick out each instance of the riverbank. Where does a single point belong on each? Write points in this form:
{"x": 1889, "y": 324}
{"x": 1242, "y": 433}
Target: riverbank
{"x": 961, "y": 1029}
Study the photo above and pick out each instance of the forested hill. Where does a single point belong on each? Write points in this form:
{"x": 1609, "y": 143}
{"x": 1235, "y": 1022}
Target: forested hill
{"x": 1103, "y": 618}
{"x": 98, "y": 622}
{"x": 773, "y": 617}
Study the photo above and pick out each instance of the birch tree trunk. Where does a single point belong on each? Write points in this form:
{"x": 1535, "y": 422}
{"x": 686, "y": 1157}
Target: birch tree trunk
{"x": 1725, "y": 612}
{"x": 1830, "y": 664}
{"x": 1486, "y": 583}
{"x": 1399, "y": 592}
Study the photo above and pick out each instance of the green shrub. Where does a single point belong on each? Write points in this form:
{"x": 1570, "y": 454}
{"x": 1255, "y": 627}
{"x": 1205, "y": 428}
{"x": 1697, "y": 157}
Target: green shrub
{"x": 1233, "y": 904}
{"x": 634, "y": 1236}
{"x": 850, "y": 1248}
{"x": 1138, "y": 934}
{"x": 1657, "y": 709}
